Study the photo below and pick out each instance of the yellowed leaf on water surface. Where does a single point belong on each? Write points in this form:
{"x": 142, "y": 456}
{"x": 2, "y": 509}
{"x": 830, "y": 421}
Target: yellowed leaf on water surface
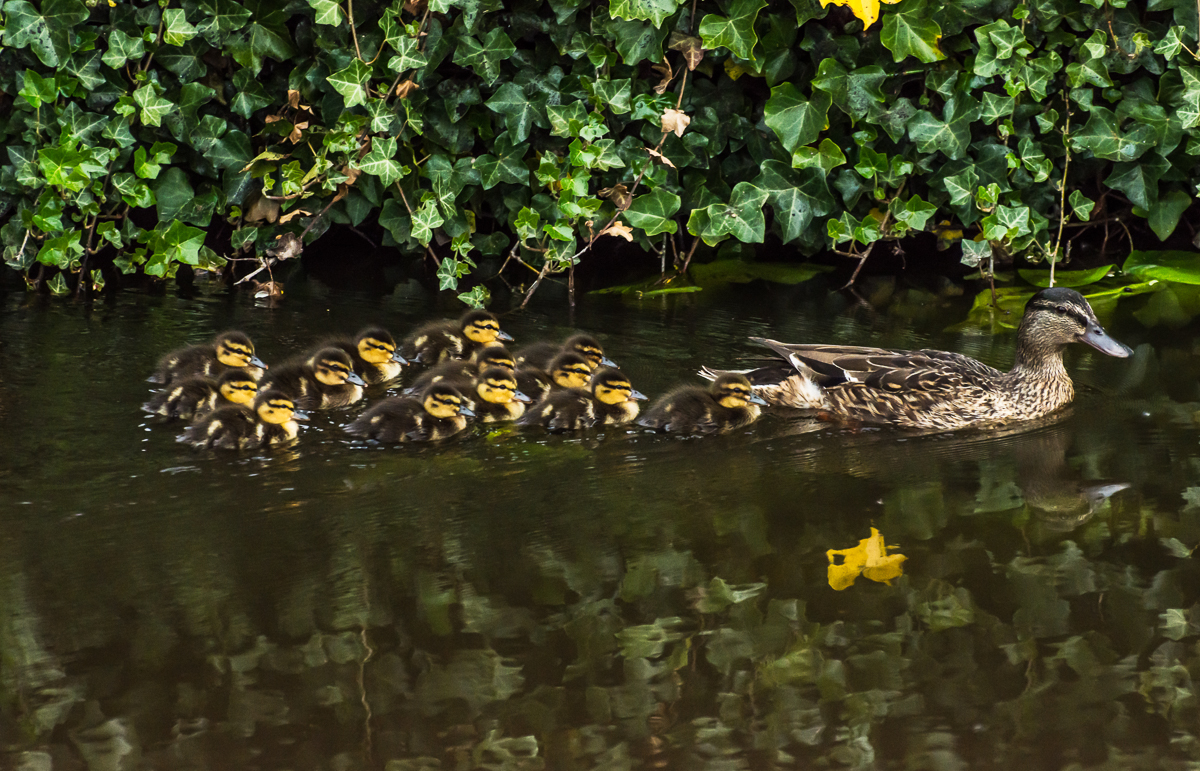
{"x": 675, "y": 120}
{"x": 867, "y": 10}
{"x": 869, "y": 559}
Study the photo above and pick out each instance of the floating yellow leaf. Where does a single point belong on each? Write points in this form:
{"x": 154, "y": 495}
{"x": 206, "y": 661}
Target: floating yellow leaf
{"x": 869, "y": 558}
{"x": 867, "y": 10}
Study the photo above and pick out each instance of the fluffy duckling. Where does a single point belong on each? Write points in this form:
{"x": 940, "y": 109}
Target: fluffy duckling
{"x": 610, "y": 400}
{"x": 373, "y": 353}
{"x": 270, "y": 421}
{"x": 498, "y": 400}
{"x": 458, "y": 370}
{"x": 194, "y": 396}
{"x": 567, "y": 370}
{"x": 442, "y": 340}
{"x": 730, "y": 403}
{"x": 540, "y": 355}
{"x": 439, "y": 413}
{"x": 326, "y": 381}
{"x": 229, "y": 350}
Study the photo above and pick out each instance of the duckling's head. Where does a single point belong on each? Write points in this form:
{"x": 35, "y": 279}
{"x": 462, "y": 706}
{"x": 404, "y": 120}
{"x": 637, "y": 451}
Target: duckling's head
{"x": 333, "y": 367}
{"x": 482, "y": 327}
{"x": 234, "y": 349}
{"x": 377, "y": 346}
{"x": 612, "y": 387}
{"x": 499, "y": 386}
{"x": 495, "y": 356}
{"x": 734, "y": 391}
{"x": 273, "y": 406}
{"x": 587, "y": 347}
{"x": 237, "y": 386}
{"x": 570, "y": 370}
{"x": 1057, "y": 316}
{"x": 444, "y": 401}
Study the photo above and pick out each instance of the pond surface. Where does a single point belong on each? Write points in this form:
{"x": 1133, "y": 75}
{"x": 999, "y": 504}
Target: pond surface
{"x": 617, "y": 599}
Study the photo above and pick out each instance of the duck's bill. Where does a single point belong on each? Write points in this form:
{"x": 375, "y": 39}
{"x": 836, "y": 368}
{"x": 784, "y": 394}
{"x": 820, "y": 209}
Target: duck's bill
{"x": 756, "y": 399}
{"x": 466, "y": 411}
{"x": 638, "y": 395}
{"x": 521, "y": 396}
{"x": 300, "y": 415}
{"x": 607, "y": 362}
{"x": 1096, "y": 337}
{"x": 396, "y": 357}
{"x": 257, "y": 362}
{"x": 355, "y": 379}
{"x": 502, "y": 335}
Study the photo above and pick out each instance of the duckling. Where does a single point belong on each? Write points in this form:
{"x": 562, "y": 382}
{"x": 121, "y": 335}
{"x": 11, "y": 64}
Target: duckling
{"x": 442, "y": 340}
{"x": 498, "y": 400}
{"x": 730, "y": 403}
{"x": 439, "y": 413}
{"x": 567, "y": 370}
{"x": 539, "y": 355}
{"x": 229, "y": 350}
{"x": 373, "y": 353}
{"x": 270, "y": 421}
{"x": 325, "y": 381}
{"x": 195, "y": 396}
{"x": 610, "y": 400}
{"x": 459, "y": 370}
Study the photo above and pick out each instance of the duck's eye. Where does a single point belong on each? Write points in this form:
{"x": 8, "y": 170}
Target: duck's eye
{"x": 1061, "y": 311}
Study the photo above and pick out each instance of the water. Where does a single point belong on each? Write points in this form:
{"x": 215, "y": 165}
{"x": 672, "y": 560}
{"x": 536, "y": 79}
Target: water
{"x": 610, "y": 600}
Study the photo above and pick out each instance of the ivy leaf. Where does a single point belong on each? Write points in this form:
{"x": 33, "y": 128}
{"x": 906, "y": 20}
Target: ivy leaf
{"x": 796, "y": 196}
{"x": 952, "y": 134}
{"x": 1164, "y": 216}
{"x": 224, "y": 15}
{"x": 484, "y": 57}
{"x": 425, "y": 219}
{"x": 567, "y": 120}
{"x": 914, "y": 212}
{"x": 61, "y": 251}
{"x": 153, "y": 107}
{"x": 47, "y": 33}
{"x": 911, "y": 31}
{"x": 380, "y": 161}
{"x": 1138, "y": 181}
{"x": 122, "y": 48}
{"x": 351, "y": 82}
{"x": 653, "y": 212}
{"x": 520, "y": 114}
{"x": 795, "y": 120}
{"x": 855, "y": 93}
{"x": 38, "y": 90}
{"x": 507, "y": 165}
{"x": 1081, "y": 205}
{"x": 741, "y": 218}
{"x": 177, "y": 30}
{"x": 1189, "y": 111}
{"x": 328, "y": 12}
{"x": 258, "y": 41}
{"x": 614, "y": 94}
{"x": 655, "y": 11}
{"x": 408, "y": 56}
{"x": 637, "y": 40}
{"x": 827, "y": 156}
{"x": 736, "y": 31}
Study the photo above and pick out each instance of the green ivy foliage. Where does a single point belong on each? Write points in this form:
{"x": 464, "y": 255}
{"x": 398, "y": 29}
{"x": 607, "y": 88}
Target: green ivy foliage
{"x": 186, "y": 132}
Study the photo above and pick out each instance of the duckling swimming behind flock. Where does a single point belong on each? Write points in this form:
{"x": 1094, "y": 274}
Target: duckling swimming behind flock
{"x": 229, "y": 350}
{"x": 325, "y": 381}
{"x": 441, "y": 340}
{"x": 567, "y": 370}
{"x": 372, "y": 352}
{"x": 271, "y": 420}
{"x": 938, "y": 390}
{"x": 728, "y": 404}
{"x": 540, "y": 355}
{"x": 439, "y": 413}
{"x": 458, "y": 370}
{"x": 610, "y": 400}
{"x": 194, "y": 396}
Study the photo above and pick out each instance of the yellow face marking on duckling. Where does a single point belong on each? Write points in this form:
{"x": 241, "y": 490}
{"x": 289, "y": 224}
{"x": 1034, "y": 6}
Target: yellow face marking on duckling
{"x": 614, "y": 391}
{"x": 594, "y": 356}
{"x": 497, "y": 361}
{"x": 573, "y": 375}
{"x": 276, "y": 410}
{"x": 332, "y": 373}
{"x": 497, "y": 390}
{"x": 375, "y": 351}
{"x": 442, "y": 405}
{"x": 733, "y": 396}
{"x": 482, "y": 331}
{"x": 239, "y": 391}
{"x": 233, "y": 354}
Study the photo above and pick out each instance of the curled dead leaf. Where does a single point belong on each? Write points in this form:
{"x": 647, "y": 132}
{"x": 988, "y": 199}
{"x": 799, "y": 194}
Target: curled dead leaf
{"x": 619, "y": 195}
{"x": 660, "y": 157}
{"x": 667, "y": 73}
{"x": 263, "y": 209}
{"x": 406, "y": 88}
{"x": 272, "y": 118}
{"x": 688, "y": 45}
{"x": 675, "y": 121}
{"x": 293, "y": 98}
{"x": 351, "y": 174}
{"x": 297, "y": 132}
{"x": 618, "y": 228}
{"x": 293, "y": 214}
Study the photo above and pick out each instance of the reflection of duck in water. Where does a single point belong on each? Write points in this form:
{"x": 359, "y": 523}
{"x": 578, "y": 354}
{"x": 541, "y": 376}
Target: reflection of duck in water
{"x": 1056, "y": 495}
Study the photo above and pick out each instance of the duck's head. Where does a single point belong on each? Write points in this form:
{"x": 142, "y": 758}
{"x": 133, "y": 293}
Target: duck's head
{"x": 237, "y": 386}
{"x": 377, "y": 346}
{"x": 570, "y": 370}
{"x": 1057, "y": 316}
{"x": 334, "y": 368}
{"x": 734, "y": 391}
{"x": 234, "y": 349}
{"x": 612, "y": 387}
{"x": 495, "y": 356}
{"x": 482, "y": 327}
{"x": 444, "y": 401}
{"x": 588, "y": 347}
{"x": 273, "y": 406}
{"x": 499, "y": 386}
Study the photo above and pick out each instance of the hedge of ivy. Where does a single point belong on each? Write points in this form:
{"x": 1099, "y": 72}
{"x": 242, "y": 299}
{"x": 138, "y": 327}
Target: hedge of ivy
{"x": 531, "y": 128}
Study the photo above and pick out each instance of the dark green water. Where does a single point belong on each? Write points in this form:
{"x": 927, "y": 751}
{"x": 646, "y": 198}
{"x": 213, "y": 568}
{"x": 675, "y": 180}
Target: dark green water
{"x": 613, "y": 600}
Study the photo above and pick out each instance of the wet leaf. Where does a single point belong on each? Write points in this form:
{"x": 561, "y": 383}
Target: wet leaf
{"x": 869, "y": 559}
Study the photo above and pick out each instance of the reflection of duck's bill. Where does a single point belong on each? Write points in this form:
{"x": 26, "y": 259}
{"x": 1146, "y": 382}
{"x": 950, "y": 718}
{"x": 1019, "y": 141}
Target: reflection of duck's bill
{"x": 1096, "y": 337}
{"x": 1100, "y": 493}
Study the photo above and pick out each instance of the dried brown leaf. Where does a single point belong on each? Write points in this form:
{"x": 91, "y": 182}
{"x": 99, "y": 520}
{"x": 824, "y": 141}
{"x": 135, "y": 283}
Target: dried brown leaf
{"x": 263, "y": 209}
{"x": 664, "y": 159}
{"x": 293, "y": 98}
{"x": 293, "y": 214}
{"x": 619, "y": 195}
{"x": 691, "y": 48}
{"x": 675, "y": 121}
{"x": 618, "y": 228}
{"x": 667, "y": 73}
{"x": 406, "y": 88}
{"x": 297, "y": 132}
{"x": 272, "y": 118}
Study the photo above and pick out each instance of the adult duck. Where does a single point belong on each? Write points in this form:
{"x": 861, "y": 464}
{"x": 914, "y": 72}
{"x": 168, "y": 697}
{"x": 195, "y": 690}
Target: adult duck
{"x": 937, "y": 390}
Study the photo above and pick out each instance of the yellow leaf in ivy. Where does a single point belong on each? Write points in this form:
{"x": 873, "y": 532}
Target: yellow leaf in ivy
{"x": 869, "y": 558}
{"x": 867, "y": 10}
